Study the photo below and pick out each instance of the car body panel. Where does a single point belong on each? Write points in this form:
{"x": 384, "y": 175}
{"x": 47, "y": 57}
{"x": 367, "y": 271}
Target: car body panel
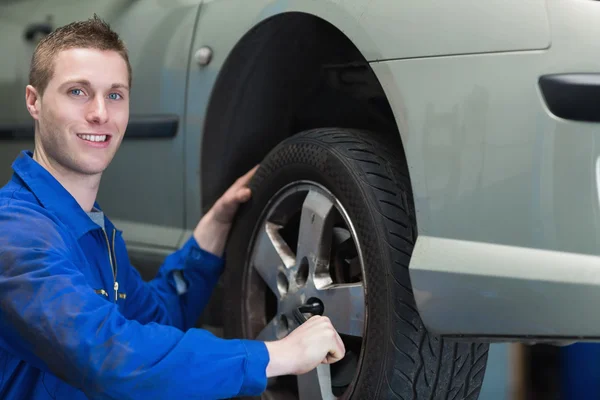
{"x": 374, "y": 29}
{"x": 477, "y": 289}
{"x": 390, "y": 29}
{"x": 15, "y": 16}
{"x": 507, "y": 194}
{"x": 419, "y": 28}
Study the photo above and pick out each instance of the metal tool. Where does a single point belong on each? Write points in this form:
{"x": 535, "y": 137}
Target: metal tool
{"x": 312, "y": 306}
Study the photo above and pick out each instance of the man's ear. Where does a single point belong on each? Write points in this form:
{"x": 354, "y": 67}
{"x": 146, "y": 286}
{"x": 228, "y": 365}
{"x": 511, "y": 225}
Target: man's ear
{"x": 33, "y": 101}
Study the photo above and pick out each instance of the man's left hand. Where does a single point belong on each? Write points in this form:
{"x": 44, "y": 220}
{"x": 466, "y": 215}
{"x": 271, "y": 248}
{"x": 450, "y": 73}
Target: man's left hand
{"x": 212, "y": 230}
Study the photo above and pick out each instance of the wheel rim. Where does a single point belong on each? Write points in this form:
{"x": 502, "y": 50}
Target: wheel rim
{"x": 305, "y": 247}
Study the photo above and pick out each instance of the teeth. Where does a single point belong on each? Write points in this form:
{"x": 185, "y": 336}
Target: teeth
{"x": 93, "y": 138}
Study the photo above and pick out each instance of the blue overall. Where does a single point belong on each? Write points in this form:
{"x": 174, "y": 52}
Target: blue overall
{"x": 77, "y": 321}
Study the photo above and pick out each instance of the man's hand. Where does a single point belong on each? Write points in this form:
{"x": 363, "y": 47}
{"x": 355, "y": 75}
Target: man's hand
{"x": 224, "y": 209}
{"x": 212, "y": 230}
{"x": 314, "y": 342}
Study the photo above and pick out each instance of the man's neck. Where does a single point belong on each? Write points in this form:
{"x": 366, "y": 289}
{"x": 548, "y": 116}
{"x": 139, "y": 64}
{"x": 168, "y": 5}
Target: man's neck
{"x": 84, "y": 188}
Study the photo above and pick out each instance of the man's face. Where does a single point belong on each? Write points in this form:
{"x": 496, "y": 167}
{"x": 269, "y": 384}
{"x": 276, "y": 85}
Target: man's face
{"x": 84, "y": 111}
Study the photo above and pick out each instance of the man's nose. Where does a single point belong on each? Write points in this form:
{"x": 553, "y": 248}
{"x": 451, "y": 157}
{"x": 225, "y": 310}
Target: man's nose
{"x": 96, "y": 112}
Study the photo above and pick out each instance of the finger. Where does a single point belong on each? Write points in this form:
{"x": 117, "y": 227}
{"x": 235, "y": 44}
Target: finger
{"x": 229, "y": 198}
{"x": 334, "y": 356}
{"x": 314, "y": 320}
{"x": 340, "y": 350}
{"x": 241, "y": 182}
{"x": 245, "y": 179}
{"x": 244, "y": 195}
{"x": 337, "y": 349}
{"x": 253, "y": 170}
{"x": 310, "y": 320}
{"x": 340, "y": 342}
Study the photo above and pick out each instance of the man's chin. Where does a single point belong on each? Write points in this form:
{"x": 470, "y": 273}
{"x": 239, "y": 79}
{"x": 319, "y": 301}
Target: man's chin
{"x": 93, "y": 167}
{"x": 93, "y": 171}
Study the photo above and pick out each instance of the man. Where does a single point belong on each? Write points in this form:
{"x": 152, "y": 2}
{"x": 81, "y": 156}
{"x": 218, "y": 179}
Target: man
{"x": 76, "y": 320}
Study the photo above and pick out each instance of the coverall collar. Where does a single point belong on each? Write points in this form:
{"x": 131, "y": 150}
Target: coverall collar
{"x": 52, "y": 195}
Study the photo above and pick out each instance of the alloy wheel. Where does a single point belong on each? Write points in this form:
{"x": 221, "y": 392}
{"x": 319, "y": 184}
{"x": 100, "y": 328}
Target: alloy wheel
{"x": 305, "y": 249}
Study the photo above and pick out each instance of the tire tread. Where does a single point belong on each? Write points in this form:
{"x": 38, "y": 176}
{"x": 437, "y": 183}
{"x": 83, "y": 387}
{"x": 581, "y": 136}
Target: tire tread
{"x": 442, "y": 369}
{"x": 414, "y": 364}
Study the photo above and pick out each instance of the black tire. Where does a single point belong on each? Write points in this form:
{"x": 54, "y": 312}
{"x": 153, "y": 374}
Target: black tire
{"x": 369, "y": 176}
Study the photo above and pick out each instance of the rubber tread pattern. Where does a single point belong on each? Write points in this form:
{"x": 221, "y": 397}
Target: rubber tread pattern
{"x": 404, "y": 361}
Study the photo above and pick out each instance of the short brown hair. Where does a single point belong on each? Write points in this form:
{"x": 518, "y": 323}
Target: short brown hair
{"x": 93, "y": 33}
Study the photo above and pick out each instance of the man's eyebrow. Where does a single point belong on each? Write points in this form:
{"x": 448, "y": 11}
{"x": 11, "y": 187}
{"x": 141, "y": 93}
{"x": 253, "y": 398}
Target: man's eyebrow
{"x": 85, "y": 82}
{"x": 119, "y": 86}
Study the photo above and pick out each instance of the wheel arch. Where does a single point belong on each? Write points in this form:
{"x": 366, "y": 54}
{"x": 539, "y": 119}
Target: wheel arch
{"x": 290, "y": 72}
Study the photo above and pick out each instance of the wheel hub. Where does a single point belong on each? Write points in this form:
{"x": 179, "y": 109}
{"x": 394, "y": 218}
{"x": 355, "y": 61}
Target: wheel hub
{"x": 298, "y": 296}
{"x": 306, "y": 257}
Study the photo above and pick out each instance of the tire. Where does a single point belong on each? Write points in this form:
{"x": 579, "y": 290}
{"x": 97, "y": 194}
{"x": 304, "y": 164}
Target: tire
{"x": 368, "y": 176}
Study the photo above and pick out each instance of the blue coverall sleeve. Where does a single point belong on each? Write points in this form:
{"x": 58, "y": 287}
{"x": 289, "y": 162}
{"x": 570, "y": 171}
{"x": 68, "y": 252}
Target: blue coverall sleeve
{"x": 52, "y": 318}
{"x": 160, "y": 301}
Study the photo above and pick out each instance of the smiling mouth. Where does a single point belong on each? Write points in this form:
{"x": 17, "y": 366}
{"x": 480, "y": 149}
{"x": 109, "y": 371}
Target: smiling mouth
{"x": 94, "y": 138}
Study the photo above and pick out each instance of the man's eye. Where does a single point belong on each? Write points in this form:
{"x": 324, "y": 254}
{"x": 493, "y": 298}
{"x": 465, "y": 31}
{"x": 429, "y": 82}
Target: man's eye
{"x": 76, "y": 92}
{"x": 114, "y": 96}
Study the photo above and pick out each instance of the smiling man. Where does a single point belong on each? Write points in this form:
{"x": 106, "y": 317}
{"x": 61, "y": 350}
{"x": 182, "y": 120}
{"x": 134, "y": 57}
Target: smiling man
{"x": 76, "y": 320}
{"x": 79, "y": 125}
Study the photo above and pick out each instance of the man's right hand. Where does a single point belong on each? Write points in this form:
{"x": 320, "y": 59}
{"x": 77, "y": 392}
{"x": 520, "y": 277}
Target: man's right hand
{"x": 312, "y": 343}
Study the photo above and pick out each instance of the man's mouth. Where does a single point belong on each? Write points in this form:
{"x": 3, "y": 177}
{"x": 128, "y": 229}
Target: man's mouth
{"x": 94, "y": 138}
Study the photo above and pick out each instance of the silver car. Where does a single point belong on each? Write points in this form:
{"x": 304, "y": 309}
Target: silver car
{"x": 429, "y": 180}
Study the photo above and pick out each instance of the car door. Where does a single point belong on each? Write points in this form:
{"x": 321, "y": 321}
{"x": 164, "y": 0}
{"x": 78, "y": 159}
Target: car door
{"x": 143, "y": 188}
{"x": 19, "y": 32}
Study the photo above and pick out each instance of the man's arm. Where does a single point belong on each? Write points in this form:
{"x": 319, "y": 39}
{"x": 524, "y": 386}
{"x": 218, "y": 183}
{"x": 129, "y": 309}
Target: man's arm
{"x": 52, "y": 318}
{"x": 180, "y": 291}
{"x": 187, "y": 278}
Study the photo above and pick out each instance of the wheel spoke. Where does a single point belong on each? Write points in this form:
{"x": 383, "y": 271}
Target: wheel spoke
{"x": 314, "y": 238}
{"x": 316, "y": 384}
{"x": 345, "y": 307}
{"x": 271, "y": 332}
{"x": 271, "y": 253}
{"x": 281, "y": 247}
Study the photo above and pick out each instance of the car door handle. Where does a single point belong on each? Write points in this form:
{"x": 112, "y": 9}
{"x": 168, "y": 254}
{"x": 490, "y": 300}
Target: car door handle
{"x": 32, "y": 30}
{"x": 572, "y": 96}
